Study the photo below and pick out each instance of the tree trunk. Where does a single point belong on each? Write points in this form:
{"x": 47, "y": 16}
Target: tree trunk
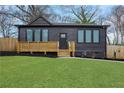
{"x": 108, "y": 40}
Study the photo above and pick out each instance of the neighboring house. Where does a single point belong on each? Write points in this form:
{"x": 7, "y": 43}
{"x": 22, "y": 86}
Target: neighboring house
{"x": 65, "y": 39}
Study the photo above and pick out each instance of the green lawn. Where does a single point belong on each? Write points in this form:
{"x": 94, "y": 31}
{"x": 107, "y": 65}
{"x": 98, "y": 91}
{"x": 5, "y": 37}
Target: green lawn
{"x": 23, "y": 71}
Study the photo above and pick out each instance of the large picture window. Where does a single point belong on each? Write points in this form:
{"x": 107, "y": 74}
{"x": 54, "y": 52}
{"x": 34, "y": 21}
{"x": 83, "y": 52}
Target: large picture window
{"x": 88, "y": 36}
{"x": 44, "y": 35}
{"x": 80, "y": 36}
{"x": 29, "y": 35}
{"x": 96, "y": 36}
{"x": 37, "y": 35}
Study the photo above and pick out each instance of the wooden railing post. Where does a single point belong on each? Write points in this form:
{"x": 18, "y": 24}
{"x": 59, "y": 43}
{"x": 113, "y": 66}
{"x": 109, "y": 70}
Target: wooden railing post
{"x": 17, "y": 47}
{"x": 69, "y": 44}
{"x": 57, "y": 48}
{"x": 73, "y": 48}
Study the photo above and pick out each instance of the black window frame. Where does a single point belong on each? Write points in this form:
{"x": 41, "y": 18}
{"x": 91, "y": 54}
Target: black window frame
{"x": 98, "y": 37}
{"x": 83, "y": 36}
{"x": 47, "y": 34}
{"x": 32, "y": 35}
{"x": 41, "y": 33}
{"x": 91, "y": 36}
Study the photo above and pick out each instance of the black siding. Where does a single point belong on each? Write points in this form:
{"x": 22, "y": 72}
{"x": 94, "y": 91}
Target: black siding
{"x": 72, "y": 36}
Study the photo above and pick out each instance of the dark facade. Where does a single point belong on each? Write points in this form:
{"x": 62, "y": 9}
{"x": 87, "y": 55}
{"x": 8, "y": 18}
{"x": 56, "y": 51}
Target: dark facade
{"x": 85, "y": 49}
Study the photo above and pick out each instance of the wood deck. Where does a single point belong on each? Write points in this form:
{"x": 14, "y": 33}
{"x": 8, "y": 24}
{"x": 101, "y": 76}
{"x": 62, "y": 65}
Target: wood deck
{"x": 51, "y": 46}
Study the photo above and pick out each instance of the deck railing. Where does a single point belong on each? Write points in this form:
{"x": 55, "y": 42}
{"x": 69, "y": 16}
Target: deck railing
{"x": 51, "y": 46}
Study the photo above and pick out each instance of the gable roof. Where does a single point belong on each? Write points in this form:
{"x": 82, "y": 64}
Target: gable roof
{"x": 43, "y": 22}
{"x": 39, "y": 20}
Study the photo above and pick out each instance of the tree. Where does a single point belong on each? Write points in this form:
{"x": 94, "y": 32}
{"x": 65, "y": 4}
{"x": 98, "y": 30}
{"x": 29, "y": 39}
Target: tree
{"x": 86, "y": 14}
{"x": 117, "y": 18}
{"x": 27, "y": 13}
{"x": 31, "y": 12}
{"x": 6, "y": 26}
{"x": 64, "y": 15}
{"x": 10, "y": 15}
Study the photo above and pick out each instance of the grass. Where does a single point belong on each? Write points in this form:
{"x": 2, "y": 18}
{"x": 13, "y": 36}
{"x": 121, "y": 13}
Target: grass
{"x": 23, "y": 71}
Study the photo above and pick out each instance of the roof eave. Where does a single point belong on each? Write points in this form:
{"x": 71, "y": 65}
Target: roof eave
{"x": 62, "y": 25}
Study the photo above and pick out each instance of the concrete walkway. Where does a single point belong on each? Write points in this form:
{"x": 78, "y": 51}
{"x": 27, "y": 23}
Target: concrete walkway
{"x": 94, "y": 59}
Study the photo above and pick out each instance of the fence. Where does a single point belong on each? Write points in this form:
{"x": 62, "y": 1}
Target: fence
{"x": 8, "y": 44}
{"x": 115, "y": 52}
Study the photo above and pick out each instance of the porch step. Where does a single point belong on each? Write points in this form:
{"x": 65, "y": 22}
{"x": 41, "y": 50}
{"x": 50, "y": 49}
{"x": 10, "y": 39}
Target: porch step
{"x": 63, "y": 53}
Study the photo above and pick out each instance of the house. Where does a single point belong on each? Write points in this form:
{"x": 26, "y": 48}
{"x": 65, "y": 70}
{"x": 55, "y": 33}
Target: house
{"x": 65, "y": 39}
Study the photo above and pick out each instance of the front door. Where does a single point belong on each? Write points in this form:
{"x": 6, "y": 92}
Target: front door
{"x": 63, "y": 43}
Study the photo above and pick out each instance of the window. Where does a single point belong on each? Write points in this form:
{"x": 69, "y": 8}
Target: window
{"x": 44, "y": 35}
{"x": 37, "y": 35}
{"x": 88, "y": 36}
{"x": 96, "y": 36}
{"x": 80, "y": 36}
{"x": 63, "y": 36}
{"x": 29, "y": 35}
